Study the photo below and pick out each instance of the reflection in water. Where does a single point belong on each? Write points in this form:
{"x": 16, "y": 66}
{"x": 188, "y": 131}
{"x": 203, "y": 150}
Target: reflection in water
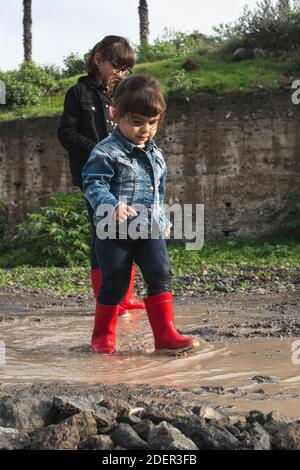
{"x": 55, "y": 347}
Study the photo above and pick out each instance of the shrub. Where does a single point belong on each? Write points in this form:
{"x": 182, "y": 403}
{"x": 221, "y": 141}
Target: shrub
{"x": 53, "y": 70}
{"x": 58, "y": 236}
{"x": 27, "y": 85}
{"x": 181, "y": 84}
{"x": 269, "y": 27}
{"x": 74, "y": 65}
{"x": 173, "y": 44}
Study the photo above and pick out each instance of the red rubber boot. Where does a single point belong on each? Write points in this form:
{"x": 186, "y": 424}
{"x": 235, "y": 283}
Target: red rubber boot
{"x": 96, "y": 278}
{"x": 160, "y": 311}
{"x": 104, "y": 334}
{"x": 130, "y": 302}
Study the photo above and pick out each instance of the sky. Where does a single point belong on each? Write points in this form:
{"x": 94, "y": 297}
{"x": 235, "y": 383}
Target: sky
{"x": 64, "y": 26}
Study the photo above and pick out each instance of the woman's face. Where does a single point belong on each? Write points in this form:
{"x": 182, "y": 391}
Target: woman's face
{"x": 110, "y": 73}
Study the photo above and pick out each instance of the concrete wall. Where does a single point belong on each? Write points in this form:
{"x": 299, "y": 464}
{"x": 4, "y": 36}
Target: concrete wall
{"x": 236, "y": 154}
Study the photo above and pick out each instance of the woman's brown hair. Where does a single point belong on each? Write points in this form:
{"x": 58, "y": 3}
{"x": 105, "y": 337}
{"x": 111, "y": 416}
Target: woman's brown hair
{"x": 113, "y": 48}
{"x": 140, "y": 94}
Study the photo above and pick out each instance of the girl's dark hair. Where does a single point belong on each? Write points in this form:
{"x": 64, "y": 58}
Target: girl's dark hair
{"x": 113, "y": 48}
{"x": 140, "y": 94}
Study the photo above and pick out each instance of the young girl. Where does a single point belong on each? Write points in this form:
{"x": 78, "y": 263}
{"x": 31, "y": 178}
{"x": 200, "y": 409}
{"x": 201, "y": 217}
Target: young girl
{"x": 86, "y": 120}
{"x": 128, "y": 166}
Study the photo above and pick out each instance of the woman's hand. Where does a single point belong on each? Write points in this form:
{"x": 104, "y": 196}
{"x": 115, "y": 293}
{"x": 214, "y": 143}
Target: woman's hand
{"x": 122, "y": 212}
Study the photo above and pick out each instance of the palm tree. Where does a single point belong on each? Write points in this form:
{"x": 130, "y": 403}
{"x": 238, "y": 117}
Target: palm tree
{"x": 27, "y": 31}
{"x": 144, "y": 21}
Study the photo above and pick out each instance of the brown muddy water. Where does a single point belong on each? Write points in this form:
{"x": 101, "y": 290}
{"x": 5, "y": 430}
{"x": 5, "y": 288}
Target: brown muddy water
{"x": 242, "y": 373}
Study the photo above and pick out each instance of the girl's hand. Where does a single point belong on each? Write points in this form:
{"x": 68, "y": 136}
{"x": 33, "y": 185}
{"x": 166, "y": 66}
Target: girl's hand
{"x": 166, "y": 232}
{"x": 122, "y": 212}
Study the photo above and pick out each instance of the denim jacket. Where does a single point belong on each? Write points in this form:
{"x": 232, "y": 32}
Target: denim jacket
{"x": 119, "y": 171}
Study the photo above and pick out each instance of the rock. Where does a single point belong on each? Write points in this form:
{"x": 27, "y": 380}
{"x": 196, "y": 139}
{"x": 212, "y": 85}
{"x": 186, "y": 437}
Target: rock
{"x": 234, "y": 420}
{"x": 167, "y": 437}
{"x": 206, "y": 436}
{"x": 216, "y": 437}
{"x": 275, "y": 422}
{"x": 242, "y": 54}
{"x": 104, "y": 417}
{"x": 287, "y": 437}
{"x": 12, "y": 439}
{"x": 130, "y": 416}
{"x": 261, "y": 438}
{"x": 101, "y": 442}
{"x": 235, "y": 431}
{"x": 63, "y": 436}
{"x": 266, "y": 379}
{"x": 123, "y": 435}
{"x": 255, "y": 415}
{"x": 190, "y": 64}
{"x": 260, "y": 53}
{"x": 190, "y": 426}
{"x": 86, "y": 424}
{"x": 245, "y": 439}
{"x": 117, "y": 405}
{"x": 70, "y": 406}
{"x": 105, "y": 429}
{"x": 143, "y": 428}
{"x": 209, "y": 413}
{"x": 158, "y": 413}
{"x": 274, "y": 417}
{"x": 25, "y": 412}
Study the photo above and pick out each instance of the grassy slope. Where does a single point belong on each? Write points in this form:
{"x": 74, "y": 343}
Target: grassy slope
{"x": 215, "y": 75}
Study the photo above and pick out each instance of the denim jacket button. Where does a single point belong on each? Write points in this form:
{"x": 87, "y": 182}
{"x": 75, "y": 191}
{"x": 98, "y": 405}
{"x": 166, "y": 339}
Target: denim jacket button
{"x": 151, "y": 189}
{"x": 149, "y": 210}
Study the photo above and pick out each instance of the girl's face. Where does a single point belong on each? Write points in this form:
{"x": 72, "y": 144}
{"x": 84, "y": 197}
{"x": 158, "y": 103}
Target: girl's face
{"x": 111, "y": 73}
{"x": 138, "y": 128}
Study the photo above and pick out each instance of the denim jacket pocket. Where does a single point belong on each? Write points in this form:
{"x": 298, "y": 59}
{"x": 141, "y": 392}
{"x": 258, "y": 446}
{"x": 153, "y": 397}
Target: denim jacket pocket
{"x": 126, "y": 168}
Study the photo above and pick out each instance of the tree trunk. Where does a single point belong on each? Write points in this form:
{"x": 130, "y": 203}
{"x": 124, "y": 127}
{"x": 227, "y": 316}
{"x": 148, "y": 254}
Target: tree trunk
{"x": 27, "y": 31}
{"x": 144, "y": 21}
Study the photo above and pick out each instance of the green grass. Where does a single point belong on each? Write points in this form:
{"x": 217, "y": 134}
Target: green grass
{"x": 216, "y": 75}
{"x": 229, "y": 258}
{"x": 237, "y": 253}
{"x": 219, "y": 76}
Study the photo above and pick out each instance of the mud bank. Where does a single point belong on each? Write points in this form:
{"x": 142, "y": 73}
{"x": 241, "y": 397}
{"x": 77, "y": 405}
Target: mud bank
{"x": 124, "y": 417}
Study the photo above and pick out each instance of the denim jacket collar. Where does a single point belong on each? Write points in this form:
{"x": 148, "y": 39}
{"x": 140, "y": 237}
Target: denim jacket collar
{"x": 128, "y": 146}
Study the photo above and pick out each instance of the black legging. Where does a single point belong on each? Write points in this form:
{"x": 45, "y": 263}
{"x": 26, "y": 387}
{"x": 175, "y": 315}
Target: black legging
{"x": 116, "y": 258}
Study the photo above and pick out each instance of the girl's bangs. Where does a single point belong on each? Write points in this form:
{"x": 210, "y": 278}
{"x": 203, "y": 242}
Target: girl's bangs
{"x": 123, "y": 55}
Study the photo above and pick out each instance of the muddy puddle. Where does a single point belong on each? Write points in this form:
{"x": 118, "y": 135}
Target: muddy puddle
{"x": 242, "y": 373}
